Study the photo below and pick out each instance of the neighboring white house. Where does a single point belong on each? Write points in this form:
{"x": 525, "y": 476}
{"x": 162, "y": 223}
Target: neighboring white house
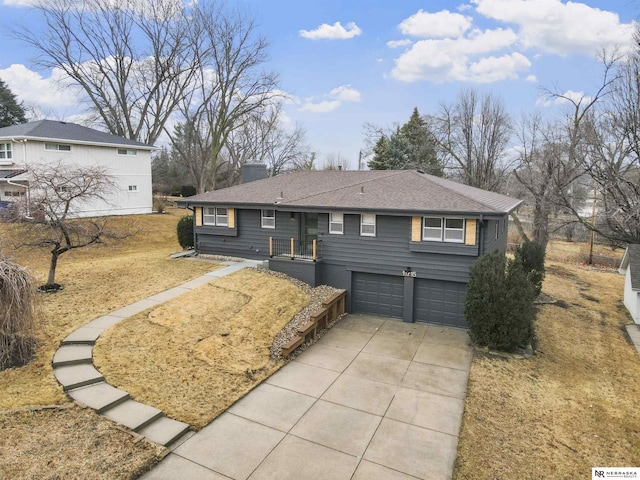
{"x": 630, "y": 267}
{"x": 47, "y": 141}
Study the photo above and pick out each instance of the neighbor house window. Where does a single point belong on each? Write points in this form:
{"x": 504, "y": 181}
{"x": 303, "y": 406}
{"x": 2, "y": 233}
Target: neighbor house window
{"x": 216, "y": 216}
{"x": 440, "y": 229}
{"x": 61, "y": 147}
{"x": 133, "y": 188}
{"x": 336, "y": 223}
{"x": 268, "y": 219}
{"x": 368, "y": 225}
{"x": 5, "y": 151}
{"x": 14, "y": 193}
{"x": 125, "y": 151}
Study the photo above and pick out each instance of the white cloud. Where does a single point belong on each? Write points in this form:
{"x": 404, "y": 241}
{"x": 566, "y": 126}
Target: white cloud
{"x": 398, "y": 43}
{"x": 443, "y": 24}
{"x": 471, "y": 58}
{"x": 321, "y": 107}
{"x": 563, "y": 99}
{"x": 532, "y": 78}
{"x": 557, "y": 27}
{"x": 345, "y": 93}
{"x": 31, "y": 87}
{"x": 332, "y": 32}
{"x": 20, "y": 3}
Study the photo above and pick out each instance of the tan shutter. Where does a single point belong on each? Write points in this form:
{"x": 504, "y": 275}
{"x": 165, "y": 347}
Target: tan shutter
{"x": 198, "y": 216}
{"x": 416, "y": 229}
{"x": 232, "y": 217}
{"x": 470, "y": 237}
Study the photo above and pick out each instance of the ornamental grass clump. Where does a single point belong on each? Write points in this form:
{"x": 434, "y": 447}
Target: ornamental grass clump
{"x": 17, "y": 315}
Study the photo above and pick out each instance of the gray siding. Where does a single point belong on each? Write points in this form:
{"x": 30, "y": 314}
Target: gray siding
{"x": 251, "y": 241}
{"x": 490, "y": 242}
{"x": 389, "y": 251}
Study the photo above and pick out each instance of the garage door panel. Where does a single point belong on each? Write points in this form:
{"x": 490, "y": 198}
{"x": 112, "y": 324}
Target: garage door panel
{"x": 441, "y": 302}
{"x": 378, "y": 294}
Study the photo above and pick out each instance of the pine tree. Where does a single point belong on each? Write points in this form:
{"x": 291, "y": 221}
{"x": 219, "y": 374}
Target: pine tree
{"x": 11, "y": 112}
{"x": 380, "y": 160}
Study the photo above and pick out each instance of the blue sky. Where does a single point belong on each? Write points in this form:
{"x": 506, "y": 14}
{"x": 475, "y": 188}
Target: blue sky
{"x": 383, "y": 58}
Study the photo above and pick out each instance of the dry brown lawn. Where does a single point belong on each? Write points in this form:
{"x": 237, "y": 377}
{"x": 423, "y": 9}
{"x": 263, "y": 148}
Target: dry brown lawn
{"x": 196, "y": 355}
{"x": 97, "y": 280}
{"x": 571, "y": 407}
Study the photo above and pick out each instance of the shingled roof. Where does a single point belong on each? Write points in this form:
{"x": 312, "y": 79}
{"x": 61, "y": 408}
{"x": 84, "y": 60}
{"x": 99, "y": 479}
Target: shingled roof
{"x": 378, "y": 190}
{"x": 52, "y": 130}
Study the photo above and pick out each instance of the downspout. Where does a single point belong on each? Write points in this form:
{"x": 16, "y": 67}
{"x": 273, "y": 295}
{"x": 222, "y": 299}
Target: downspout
{"x": 481, "y": 234}
{"x": 194, "y": 227}
{"x": 23, "y": 141}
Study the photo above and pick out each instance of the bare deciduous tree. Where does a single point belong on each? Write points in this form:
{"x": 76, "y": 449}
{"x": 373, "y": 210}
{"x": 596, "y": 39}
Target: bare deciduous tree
{"x": 228, "y": 89}
{"x": 473, "y": 134}
{"x": 263, "y": 139}
{"x": 132, "y": 59}
{"x": 60, "y": 192}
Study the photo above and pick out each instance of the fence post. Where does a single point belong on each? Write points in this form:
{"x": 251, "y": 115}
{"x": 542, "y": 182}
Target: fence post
{"x": 314, "y": 251}
{"x": 292, "y": 249}
{"x": 270, "y": 247}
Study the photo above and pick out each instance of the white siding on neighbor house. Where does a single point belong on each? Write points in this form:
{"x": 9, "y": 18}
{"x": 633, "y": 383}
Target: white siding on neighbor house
{"x": 631, "y": 300}
{"x": 125, "y": 170}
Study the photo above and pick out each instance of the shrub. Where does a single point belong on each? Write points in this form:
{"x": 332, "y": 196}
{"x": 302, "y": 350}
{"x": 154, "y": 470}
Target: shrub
{"x": 17, "y": 315}
{"x": 532, "y": 255}
{"x": 499, "y": 306}
{"x": 185, "y": 231}
{"x": 160, "y": 203}
{"x": 187, "y": 190}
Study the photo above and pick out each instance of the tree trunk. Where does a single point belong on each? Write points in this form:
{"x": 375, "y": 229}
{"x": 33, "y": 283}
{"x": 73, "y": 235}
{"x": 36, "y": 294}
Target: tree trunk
{"x": 516, "y": 222}
{"x": 541, "y": 223}
{"x": 51, "y": 279}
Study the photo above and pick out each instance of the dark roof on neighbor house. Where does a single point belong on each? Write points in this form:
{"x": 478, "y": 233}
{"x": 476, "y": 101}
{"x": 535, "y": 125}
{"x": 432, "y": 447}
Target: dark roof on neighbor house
{"x": 53, "y": 130}
{"x": 11, "y": 173}
{"x": 380, "y": 190}
{"x": 631, "y": 261}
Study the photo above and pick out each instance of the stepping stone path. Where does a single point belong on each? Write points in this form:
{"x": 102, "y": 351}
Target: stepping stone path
{"x": 73, "y": 368}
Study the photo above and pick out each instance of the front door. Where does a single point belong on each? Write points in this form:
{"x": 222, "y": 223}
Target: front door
{"x": 309, "y": 232}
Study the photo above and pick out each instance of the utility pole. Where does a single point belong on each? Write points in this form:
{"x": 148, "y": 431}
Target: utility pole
{"x": 360, "y": 160}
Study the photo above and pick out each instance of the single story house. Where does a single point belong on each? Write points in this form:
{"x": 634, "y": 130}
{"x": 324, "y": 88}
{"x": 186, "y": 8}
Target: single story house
{"x": 399, "y": 241}
{"x": 128, "y": 163}
{"x": 630, "y": 268}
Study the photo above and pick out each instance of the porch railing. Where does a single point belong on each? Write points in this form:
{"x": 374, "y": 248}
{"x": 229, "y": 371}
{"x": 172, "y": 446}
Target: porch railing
{"x": 294, "y": 249}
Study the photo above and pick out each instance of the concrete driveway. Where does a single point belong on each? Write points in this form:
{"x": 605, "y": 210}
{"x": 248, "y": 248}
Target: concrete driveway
{"x": 375, "y": 398}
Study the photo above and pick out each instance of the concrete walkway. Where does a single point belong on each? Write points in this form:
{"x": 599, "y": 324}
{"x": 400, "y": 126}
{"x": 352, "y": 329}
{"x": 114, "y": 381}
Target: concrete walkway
{"x": 73, "y": 367}
{"x": 375, "y": 398}
{"x": 634, "y": 334}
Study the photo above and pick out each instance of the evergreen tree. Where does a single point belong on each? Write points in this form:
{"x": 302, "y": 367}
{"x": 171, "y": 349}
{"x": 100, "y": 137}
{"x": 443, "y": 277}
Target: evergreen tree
{"x": 411, "y": 146}
{"x": 11, "y": 112}
{"x": 499, "y": 306}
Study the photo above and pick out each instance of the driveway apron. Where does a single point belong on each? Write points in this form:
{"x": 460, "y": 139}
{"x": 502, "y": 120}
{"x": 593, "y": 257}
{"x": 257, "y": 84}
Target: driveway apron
{"x": 374, "y": 398}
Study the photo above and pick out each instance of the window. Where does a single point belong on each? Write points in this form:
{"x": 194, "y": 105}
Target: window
{"x": 268, "y": 219}
{"x": 336, "y": 223}
{"x": 5, "y": 151}
{"x": 454, "y": 230}
{"x": 368, "y": 225}
{"x": 432, "y": 229}
{"x": 61, "y": 147}
{"x": 14, "y": 193}
{"x": 209, "y": 216}
{"x": 133, "y": 188}
{"x": 222, "y": 217}
{"x": 125, "y": 151}
{"x": 439, "y": 229}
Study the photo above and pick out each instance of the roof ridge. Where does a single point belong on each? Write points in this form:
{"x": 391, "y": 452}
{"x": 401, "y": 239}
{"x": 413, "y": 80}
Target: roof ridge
{"x": 462, "y": 193}
{"x": 391, "y": 173}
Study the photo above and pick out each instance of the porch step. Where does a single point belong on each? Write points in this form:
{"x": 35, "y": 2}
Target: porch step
{"x": 99, "y": 396}
{"x": 72, "y": 354}
{"x": 164, "y": 431}
{"x": 132, "y": 414}
{"x": 75, "y": 376}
